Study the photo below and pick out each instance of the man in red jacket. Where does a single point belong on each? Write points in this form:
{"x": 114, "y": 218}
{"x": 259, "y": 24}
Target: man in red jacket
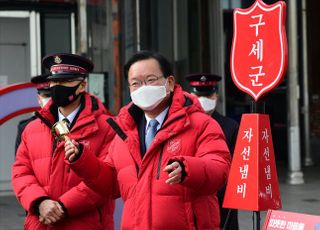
{"x": 168, "y": 158}
{"x": 53, "y": 196}
{"x": 43, "y": 96}
{"x": 205, "y": 87}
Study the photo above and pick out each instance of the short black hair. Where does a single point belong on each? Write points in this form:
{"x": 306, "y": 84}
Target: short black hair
{"x": 165, "y": 65}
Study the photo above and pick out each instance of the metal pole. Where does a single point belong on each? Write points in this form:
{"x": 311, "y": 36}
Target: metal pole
{"x": 116, "y": 30}
{"x": 257, "y": 107}
{"x": 138, "y": 25}
{"x": 256, "y": 220}
{"x": 217, "y": 51}
{"x": 308, "y": 161}
{"x": 253, "y": 220}
{"x": 73, "y": 33}
{"x": 295, "y": 175}
{"x": 35, "y": 43}
{"x": 83, "y": 27}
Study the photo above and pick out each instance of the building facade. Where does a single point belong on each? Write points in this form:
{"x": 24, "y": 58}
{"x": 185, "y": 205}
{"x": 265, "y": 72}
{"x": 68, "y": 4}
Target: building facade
{"x": 194, "y": 35}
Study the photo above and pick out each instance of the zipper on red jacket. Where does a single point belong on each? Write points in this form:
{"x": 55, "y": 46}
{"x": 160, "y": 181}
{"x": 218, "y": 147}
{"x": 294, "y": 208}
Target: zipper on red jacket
{"x": 137, "y": 168}
{"x": 100, "y": 215}
{"x": 195, "y": 220}
{"x": 54, "y": 145}
{"x": 159, "y": 164}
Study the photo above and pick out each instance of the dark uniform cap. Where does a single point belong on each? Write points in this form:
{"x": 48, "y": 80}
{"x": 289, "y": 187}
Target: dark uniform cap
{"x": 42, "y": 83}
{"x": 67, "y": 66}
{"x": 203, "y": 84}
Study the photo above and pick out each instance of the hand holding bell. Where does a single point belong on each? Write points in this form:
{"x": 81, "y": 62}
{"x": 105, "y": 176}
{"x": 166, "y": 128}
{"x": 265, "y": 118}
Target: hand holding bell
{"x": 60, "y": 130}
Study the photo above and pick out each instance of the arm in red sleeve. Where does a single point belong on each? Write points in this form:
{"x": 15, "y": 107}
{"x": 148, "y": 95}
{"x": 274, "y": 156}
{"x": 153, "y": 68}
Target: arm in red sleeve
{"x": 25, "y": 184}
{"x": 96, "y": 174}
{"x": 81, "y": 198}
{"x": 207, "y": 171}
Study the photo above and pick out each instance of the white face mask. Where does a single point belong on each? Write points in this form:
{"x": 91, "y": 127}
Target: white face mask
{"x": 148, "y": 97}
{"x": 207, "y": 103}
{"x": 44, "y": 101}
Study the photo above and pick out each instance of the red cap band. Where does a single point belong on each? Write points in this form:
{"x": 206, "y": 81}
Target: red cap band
{"x": 67, "y": 68}
{"x": 42, "y": 85}
{"x": 203, "y": 83}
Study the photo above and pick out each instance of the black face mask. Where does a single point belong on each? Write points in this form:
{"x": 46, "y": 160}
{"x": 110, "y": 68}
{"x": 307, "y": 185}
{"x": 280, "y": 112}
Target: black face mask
{"x": 63, "y": 95}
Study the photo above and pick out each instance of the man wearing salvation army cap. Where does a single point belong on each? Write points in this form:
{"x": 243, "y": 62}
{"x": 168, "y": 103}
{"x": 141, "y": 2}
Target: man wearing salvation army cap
{"x": 205, "y": 87}
{"x": 52, "y": 195}
{"x": 43, "y": 96}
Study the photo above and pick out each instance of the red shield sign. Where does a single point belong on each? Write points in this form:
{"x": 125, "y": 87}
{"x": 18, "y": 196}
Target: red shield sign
{"x": 259, "y": 48}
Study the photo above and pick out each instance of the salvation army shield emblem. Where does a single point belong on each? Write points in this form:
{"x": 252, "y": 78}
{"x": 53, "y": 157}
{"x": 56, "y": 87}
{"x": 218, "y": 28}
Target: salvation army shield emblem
{"x": 259, "y": 48}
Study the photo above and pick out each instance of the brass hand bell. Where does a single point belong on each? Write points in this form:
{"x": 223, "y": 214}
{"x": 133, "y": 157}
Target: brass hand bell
{"x": 60, "y": 130}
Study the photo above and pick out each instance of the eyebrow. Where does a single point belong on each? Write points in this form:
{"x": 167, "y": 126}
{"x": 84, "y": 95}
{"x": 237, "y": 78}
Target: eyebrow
{"x": 135, "y": 78}
{"x": 149, "y": 75}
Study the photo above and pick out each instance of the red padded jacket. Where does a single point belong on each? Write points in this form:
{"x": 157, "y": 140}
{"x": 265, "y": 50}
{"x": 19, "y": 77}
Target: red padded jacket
{"x": 40, "y": 171}
{"x": 187, "y": 135}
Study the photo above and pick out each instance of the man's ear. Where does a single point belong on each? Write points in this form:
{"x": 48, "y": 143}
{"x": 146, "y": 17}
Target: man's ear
{"x": 39, "y": 100}
{"x": 214, "y": 96}
{"x": 82, "y": 87}
{"x": 171, "y": 83}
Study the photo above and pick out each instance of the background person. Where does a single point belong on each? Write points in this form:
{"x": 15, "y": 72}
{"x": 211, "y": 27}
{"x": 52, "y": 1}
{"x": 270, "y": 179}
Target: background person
{"x": 205, "y": 87}
{"x": 168, "y": 157}
{"x": 44, "y": 185}
{"x": 43, "y": 96}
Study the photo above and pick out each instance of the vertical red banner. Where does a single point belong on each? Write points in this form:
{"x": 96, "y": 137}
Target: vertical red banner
{"x": 253, "y": 181}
